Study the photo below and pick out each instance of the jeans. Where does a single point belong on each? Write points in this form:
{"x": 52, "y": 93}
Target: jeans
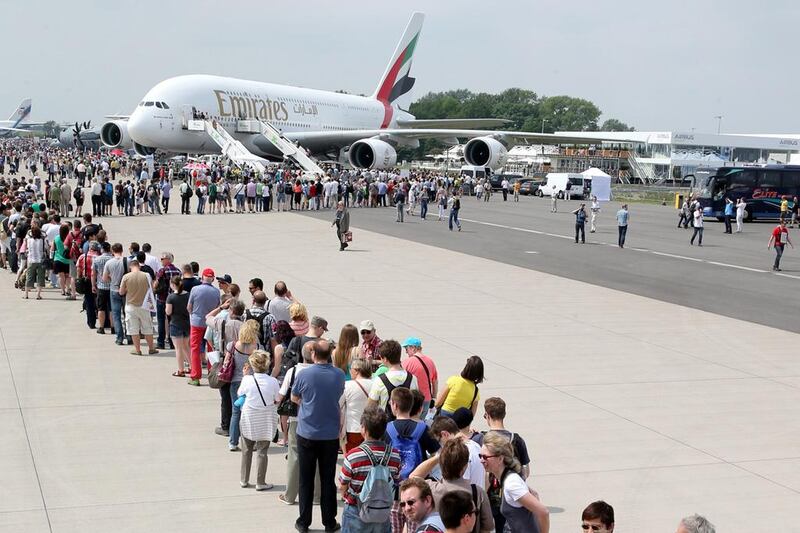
{"x": 623, "y": 231}
{"x": 161, "y": 317}
{"x": 201, "y": 205}
{"x": 778, "y": 254}
{"x": 580, "y": 228}
{"x": 454, "y": 219}
{"x": 117, "y": 303}
{"x": 399, "y": 206}
{"x": 185, "y": 204}
{"x": 97, "y": 205}
{"x": 423, "y": 210}
{"x": 351, "y": 523}
{"x": 196, "y": 340}
{"x": 697, "y": 231}
{"x": 310, "y": 453}
{"x": 165, "y": 204}
{"x": 129, "y": 203}
{"x": 236, "y": 414}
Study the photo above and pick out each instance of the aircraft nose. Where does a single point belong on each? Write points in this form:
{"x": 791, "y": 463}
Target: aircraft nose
{"x": 136, "y": 126}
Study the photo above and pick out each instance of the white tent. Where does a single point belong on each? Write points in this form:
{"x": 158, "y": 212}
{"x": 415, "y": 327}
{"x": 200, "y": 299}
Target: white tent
{"x": 601, "y": 183}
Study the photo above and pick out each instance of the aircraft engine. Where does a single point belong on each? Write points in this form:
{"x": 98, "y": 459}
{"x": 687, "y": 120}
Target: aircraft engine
{"x": 372, "y": 153}
{"x": 114, "y": 134}
{"x": 485, "y": 152}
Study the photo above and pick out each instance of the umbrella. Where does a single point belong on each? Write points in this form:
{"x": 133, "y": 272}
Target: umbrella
{"x": 195, "y": 166}
{"x": 117, "y": 151}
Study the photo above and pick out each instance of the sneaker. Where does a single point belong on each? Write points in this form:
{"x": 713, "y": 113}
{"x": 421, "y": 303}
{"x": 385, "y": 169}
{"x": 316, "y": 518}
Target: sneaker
{"x": 244, "y": 484}
{"x": 195, "y": 382}
{"x": 100, "y": 331}
{"x": 118, "y": 342}
{"x": 301, "y": 528}
{"x": 223, "y": 432}
{"x": 282, "y": 498}
{"x": 233, "y": 448}
{"x": 266, "y": 486}
{"x": 336, "y": 527}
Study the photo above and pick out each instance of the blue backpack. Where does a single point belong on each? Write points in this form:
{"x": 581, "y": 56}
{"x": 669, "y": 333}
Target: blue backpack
{"x": 408, "y": 447}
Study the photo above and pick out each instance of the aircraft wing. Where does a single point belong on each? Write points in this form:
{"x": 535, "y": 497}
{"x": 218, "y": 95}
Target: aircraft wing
{"x": 448, "y": 136}
{"x": 7, "y": 128}
{"x": 118, "y": 117}
{"x": 453, "y": 123}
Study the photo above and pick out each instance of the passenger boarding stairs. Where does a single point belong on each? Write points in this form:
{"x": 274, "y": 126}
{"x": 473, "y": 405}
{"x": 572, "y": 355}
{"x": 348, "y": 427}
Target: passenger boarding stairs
{"x": 232, "y": 148}
{"x": 241, "y": 155}
{"x": 644, "y": 172}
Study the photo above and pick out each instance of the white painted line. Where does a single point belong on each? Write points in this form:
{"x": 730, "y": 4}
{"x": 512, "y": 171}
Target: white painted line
{"x": 531, "y": 252}
{"x": 677, "y": 256}
{"x": 786, "y": 275}
{"x": 736, "y": 266}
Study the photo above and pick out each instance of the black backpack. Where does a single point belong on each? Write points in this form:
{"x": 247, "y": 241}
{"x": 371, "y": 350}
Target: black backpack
{"x": 264, "y": 341}
{"x": 390, "y": 387}
{"x": 162, "y": 285}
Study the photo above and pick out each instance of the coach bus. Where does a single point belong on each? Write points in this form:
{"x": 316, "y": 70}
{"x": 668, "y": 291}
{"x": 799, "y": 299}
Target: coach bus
{"x": 761, "y": 187}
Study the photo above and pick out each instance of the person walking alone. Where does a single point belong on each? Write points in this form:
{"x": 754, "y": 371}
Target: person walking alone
{"x": 342, "y": 223}
{"x": 740, "y": 207}
{"x": 554, "y": 200}
{"x": 698, "y": 226}
{"x": 580, "y": 223}
{"x": 683, "y": 215}
{"x": 455, "y": 207}
{"x": 622, "y": 225}
{"x": 399, "y": 202}
{"x": 776, "y": 239}
{"x": 595, "y": 213}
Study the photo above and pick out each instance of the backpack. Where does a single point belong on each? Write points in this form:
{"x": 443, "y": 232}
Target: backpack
{"x": 390, "y": 387}
{"x": 494, "y": 490}
{"x": 292, "y": 355}
{"x": 409, "y": 448}
{"x": 75, "y": 247}
{"x": 377, "y": 493}
{"x": 162, "y": 285}
{"x": 262, "y": 339}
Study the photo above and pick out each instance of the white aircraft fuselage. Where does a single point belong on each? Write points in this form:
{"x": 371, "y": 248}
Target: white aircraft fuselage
{"x": 160, "y": 118}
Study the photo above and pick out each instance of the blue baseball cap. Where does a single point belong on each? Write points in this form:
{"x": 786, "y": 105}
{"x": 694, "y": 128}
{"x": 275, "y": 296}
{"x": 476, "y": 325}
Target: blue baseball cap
{"x": 412, "y": 341}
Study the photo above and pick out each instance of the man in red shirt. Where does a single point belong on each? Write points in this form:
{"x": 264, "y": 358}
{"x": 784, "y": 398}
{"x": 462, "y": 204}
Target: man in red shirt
{"x": 424, "y": 369}
{"x": 776, "y": 239}
{"x": 84, "y": 270}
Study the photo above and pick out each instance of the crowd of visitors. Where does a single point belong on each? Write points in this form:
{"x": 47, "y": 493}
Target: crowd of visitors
{"x": 411, "y": 459}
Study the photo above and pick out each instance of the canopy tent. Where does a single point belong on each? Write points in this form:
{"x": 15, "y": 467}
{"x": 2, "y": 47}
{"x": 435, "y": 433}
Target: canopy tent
{"x": 601, "y": 183}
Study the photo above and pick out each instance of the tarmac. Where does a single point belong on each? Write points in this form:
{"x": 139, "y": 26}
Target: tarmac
{"x": 660, "y": 409}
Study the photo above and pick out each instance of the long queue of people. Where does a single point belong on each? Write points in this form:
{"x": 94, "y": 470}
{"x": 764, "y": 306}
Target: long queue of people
{"x": 412, "y": 460}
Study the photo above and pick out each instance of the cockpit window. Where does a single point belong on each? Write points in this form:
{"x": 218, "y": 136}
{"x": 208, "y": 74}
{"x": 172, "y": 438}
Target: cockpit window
{"x": 148, "y": 104}
{"x": 158, "y": 105}
{"x": 164, "y": 104}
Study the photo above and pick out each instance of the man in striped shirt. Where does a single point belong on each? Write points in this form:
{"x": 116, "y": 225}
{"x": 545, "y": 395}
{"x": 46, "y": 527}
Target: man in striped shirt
{"x": 357, "y": 464}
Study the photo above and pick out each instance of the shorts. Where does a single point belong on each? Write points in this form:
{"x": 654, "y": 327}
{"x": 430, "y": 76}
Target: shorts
{"x": 103, "y": 300}
{"x": 35, "y": 274}
{"x": 138, "y": 320}
{"x": 178, "y": 331}
{"x": 60, "y": 268}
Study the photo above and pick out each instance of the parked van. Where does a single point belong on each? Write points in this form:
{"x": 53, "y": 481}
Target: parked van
{"x": 471, "y": 171}
{"x": 557, "y": 184}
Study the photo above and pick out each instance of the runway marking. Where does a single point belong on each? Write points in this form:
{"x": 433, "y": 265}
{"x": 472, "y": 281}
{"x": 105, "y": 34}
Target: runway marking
{"x": 736, "y": 266}
{"x": 641, "y": 250}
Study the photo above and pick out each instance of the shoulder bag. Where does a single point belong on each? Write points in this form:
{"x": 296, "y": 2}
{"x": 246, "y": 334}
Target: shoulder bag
{"x": 213, "y": 374}
{"x": 83, "y": 285}
{"x": 47, "y": 262}
{"x": 287, "y": 407}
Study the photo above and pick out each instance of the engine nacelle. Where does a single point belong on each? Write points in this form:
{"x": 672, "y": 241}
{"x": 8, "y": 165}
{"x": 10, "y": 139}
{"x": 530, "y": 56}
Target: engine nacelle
{"x": 114, "y": 134}
{"x": 485, "y": 152}
{"x": 372, "y": 153}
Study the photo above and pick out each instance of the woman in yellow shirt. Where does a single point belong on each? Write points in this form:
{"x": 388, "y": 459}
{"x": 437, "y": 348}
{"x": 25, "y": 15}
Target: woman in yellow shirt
{"x": 462, "y": 391}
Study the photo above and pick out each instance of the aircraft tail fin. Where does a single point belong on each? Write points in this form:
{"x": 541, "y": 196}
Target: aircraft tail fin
{"x": 396, "y": 80}
{"x": 22, "y": 112}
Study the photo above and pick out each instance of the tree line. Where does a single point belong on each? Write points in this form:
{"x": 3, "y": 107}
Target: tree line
{"x": 525, "y": 110}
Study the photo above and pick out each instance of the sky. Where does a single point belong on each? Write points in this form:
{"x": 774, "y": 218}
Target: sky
{"x": 658, "y": 66}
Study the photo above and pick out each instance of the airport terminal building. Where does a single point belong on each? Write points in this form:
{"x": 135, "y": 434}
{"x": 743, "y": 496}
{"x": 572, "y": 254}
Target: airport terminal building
{"x": 653, "y": 157}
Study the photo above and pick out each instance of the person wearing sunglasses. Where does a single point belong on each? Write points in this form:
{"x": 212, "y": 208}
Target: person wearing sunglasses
{"x": 416, "y": 502}
{"x": 458, "y": 512}
{"x": 521, "y": 507}
{"x": 598, "y": 517}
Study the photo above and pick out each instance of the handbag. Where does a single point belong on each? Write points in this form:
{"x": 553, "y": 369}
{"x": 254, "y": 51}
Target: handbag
{"x": 83, "y": 285}
{"x": 213, "y": 373}
{"x": 348, "y": 236}
{"x": 47, "y": 262}
{"x": 226, "y": 370}
{"x": 287, "y": 407}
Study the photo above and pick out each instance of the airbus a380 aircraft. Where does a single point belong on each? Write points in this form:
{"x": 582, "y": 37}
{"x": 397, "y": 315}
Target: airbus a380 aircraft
{"x": 363, "y": 131}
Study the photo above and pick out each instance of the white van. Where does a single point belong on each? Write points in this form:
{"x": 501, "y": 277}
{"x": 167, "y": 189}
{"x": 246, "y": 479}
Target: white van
{"x": 472, "y": 171}
{"x": 557, "y": 184}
